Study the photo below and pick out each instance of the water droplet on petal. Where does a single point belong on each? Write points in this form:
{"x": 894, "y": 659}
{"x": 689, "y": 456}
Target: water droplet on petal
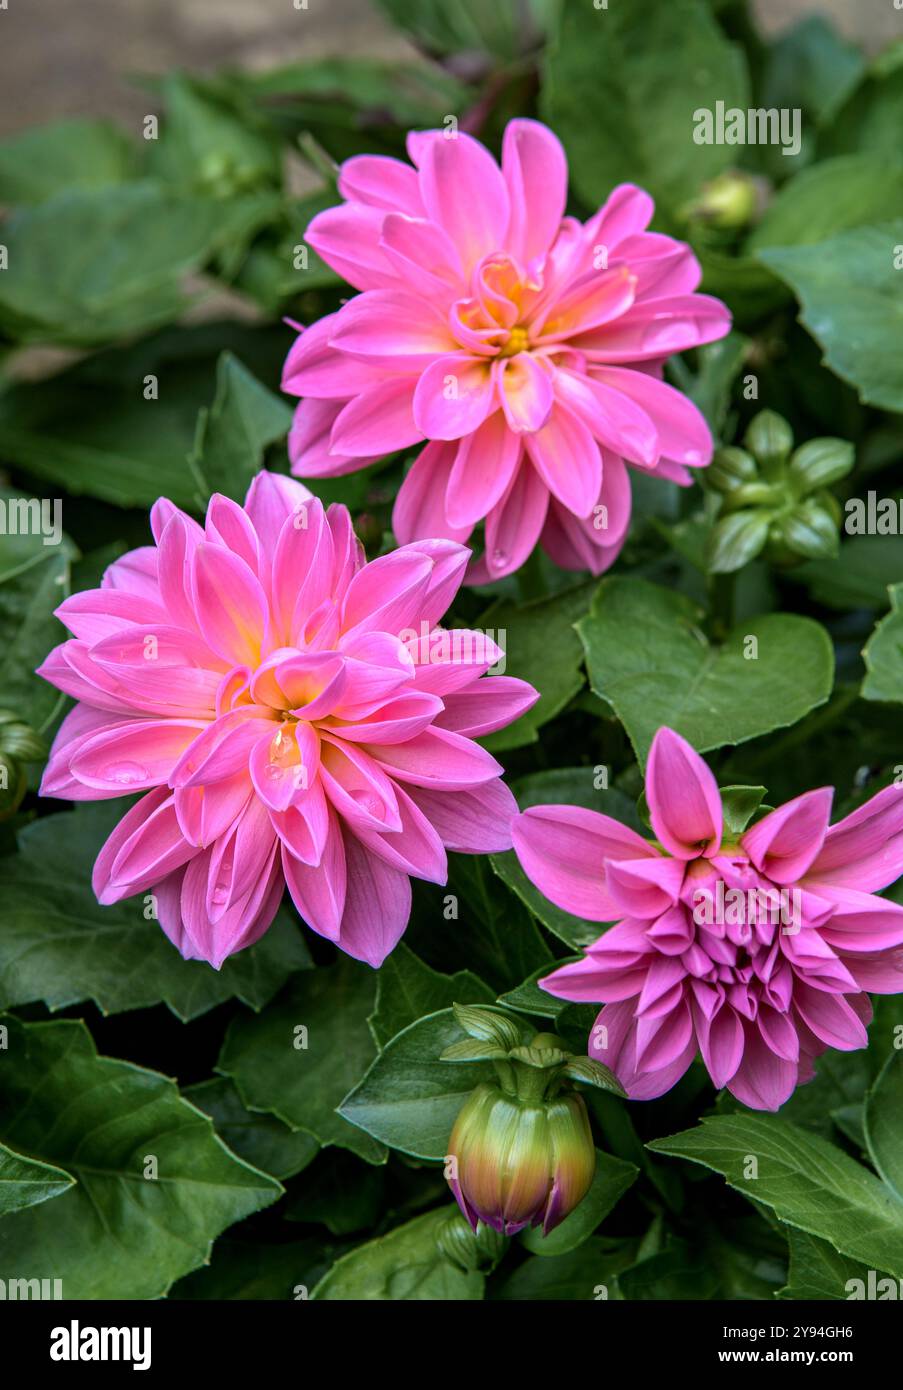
{"x": 499, "y": 558}
{"x": 127, "y": 774}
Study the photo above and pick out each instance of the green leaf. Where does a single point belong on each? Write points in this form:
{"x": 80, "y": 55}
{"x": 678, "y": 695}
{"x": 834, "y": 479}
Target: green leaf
{"x": 491, "y": 932}
{"x": 26, "y": 1181}
{"x": 611, "y": 1180}
{"x": 302, "y": 1055}
{"x": 872, "y": 118}
{"x": 60, "y": 946}
{"x": 81, "y": 153}
{"x": 808, "y": 1183}
{"x": 811, "y": 66}
{"x": 884, "y": 1122}
{"x": 680, "y": 1271}
{"x": 233, "y": 434}
{"x": 739, "y": 805}
{"x": 407, "y": 988}
{"x": 649, "y": 659}
{"x": 34, "y": 580}
{"x": 117, "y": 1233}
{"x": 339, "y": 90}
{"x": 528, "y": 998}
{"x": 593, "y": 1073}
{"x": 589, "y": 1272}
{"x": 540, "y": 647}
{"x": 93, "y": 429}
{"x": 849, "y": 1121}
{"x": 830, "y": 197}
{"x": 504, "y": 29}
{"x": 409, "y": 1099}
{"x": 573, "y": 786}
{"x": 710, "y": 386}
{"x": 841, "y": 1078}
{"x": 271, "y": 272}
{"x": 403, "y": 1266}
{"x": 340, "y": 1194}
{"x": 860, "y": 577}
{"x": 243, "y": 1269}
{"x": 817, "y": 1270}
{"x": 749, "y": 289}
{"x": 747, "y": 1253}
{"x": 204, "y": 145}
{"x": 851, "y": 298}
{"x": 883, "y": 654}
{"x": 261, "y": 1140}
{"x": 651, "y": 139}
{"x": 95, "y": 264}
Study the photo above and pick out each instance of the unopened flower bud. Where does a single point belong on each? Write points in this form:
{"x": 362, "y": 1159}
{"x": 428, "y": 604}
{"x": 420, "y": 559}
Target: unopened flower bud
{"x": 808, "y": 532}
{"x": 820, "y": 462}
{"x": 737, "y": 539}
{"x": 769, "y": 439}
{"x": 521, "y": 1151}
{"x": 521, "y": 1164}
{"x": 731, "y": 468}
{"x": 19, "y": 744}
{"x": 470, "y": 1249}
{"x": 728, "y": 202}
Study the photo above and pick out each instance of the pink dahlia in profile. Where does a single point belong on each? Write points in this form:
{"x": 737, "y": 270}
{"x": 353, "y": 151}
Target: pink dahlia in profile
{"x": 755, "y": 949}
{"x": 521, "y": 347}
{"x": 294, "y": 716}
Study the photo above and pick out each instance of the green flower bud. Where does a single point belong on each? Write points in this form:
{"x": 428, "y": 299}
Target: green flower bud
{"x": 13, "y": 785}
{"x": 521, "y": 1152}
{"x": 769, "y": 438}
{"x": 518, "y": 1162}
{"x": 820, "y": 462}
{"x": 728, "y": 202}
{"x": 737, "y": 539}
{"x": 730, "y": 468}
{"x": 758, "y": 494}
{"x": 19, "y": 744}
{"x": 469, "y": 1249}
{"x": 808, "y": 532}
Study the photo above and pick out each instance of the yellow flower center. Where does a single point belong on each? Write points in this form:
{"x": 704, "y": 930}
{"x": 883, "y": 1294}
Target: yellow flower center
{"x": 518, "y": 341}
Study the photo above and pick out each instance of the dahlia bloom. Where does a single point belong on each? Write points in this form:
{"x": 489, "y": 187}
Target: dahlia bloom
{"x": 293, "y": 715}
{"x": 523, "y": 347}
{"x": 760, "y": 981}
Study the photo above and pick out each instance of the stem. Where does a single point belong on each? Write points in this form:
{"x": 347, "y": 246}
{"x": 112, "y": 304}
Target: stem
{"x": 722, "y": 593}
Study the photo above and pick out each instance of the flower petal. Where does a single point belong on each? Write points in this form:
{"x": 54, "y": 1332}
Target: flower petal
{"x": 684, "y": 802}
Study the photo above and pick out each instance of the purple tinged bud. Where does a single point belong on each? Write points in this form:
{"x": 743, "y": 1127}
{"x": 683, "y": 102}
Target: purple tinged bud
{"x": 516, "y": 1163}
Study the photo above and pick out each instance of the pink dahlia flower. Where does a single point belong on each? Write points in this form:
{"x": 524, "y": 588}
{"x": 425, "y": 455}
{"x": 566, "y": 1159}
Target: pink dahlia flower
{"x": 523, "y": 347}
{"x": 294, "y": 716}
{"x": 756, "y": 950}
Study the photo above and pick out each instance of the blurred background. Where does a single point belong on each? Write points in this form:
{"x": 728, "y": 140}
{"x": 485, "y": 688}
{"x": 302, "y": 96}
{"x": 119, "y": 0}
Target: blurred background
{"x": 75, "y": 57}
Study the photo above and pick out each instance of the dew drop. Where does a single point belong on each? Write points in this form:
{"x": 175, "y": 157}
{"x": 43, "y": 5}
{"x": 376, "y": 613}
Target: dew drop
{"x": 126, "y": 774}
